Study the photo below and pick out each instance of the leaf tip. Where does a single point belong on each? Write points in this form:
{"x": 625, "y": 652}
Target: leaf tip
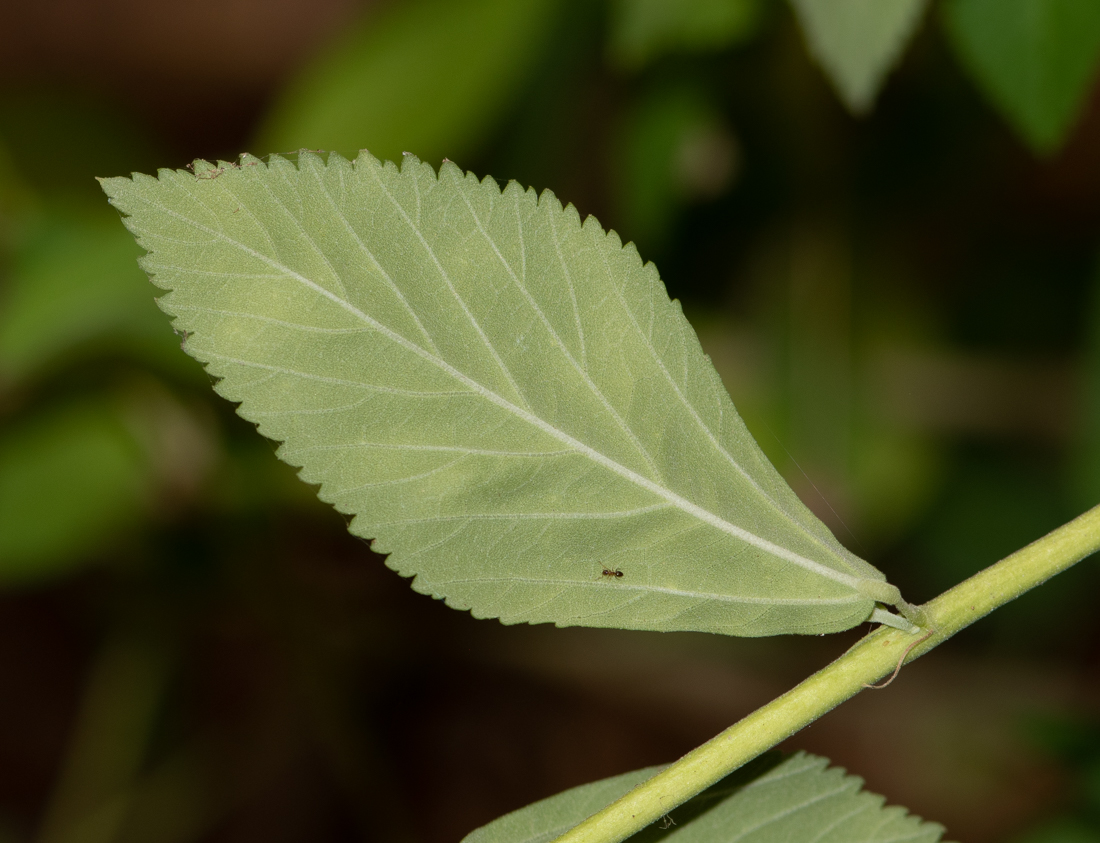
{"x": 365, "y": 159}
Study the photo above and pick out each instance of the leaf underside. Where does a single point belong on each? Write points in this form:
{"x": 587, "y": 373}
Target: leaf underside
{"x": 504, "y": 398}
{"x": 771, "y": 800}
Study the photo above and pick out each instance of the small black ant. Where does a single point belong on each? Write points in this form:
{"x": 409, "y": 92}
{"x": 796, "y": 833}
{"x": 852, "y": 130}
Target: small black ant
{"x": 612, "y": 572}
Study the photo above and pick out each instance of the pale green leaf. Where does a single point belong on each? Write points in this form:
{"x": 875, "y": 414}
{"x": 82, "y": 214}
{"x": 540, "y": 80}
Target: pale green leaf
{"x": 430, "y": 75}
{"x": 504, "y": 398}
{"x": 771, "y": 800}
{"x": 858, "y": 42}
{"x": 641, "y": 30}
{"x": 1034, "y": 59}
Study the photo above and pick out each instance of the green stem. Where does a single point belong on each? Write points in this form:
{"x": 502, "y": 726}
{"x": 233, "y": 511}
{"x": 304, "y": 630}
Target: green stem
{"x": 873, "y": 658}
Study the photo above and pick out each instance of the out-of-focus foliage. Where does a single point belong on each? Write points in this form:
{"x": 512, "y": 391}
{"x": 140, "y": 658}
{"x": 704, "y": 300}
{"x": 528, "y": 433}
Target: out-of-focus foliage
{"x": 79, "y": 464}
{"x": 1036, "y": 60}
{"x": 858, "y": 42}
{"x": 427, "y": 76}
{"x": 675, "y": 149}
{"x": 642, "y": 30}
{"x": 1086, "y": 465}
{"x": 1074, "y": 741}
{"x": 70, "y": 480}
{"x": 75, "y": 280}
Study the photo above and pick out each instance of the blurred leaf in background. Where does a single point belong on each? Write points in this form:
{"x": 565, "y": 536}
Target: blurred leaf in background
{"x": 825, "y": 343}
{"x": 642, "y": 30}
{"x": 71, "y": 479}
{"x": 1085, "y": 466}
{"x": 75, "y": 280}
{"x": 1073, "y": 740}
{"x": 987, "y": 509}
{"x": 89, "y": 442}
{"x": 675, "y": 148}
{"x": 858, "y": 42}
{"x": 427, "y": 76}
{"x": 1035, "y": 60}
{"x": 58, "y": 139}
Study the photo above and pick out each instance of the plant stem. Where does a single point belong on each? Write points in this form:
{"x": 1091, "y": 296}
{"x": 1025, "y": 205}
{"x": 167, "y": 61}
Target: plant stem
{"x": 874, "y": 657}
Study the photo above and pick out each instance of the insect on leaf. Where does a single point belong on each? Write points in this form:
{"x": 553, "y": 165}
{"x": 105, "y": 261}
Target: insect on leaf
{"x": 503, "y": 397}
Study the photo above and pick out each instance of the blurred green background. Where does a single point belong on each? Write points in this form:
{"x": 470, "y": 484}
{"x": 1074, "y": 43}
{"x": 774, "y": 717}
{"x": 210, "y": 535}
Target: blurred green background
{"x": 883, "y": 218}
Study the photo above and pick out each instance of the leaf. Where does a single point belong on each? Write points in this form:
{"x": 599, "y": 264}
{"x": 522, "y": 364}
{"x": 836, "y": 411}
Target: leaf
{"x": 642, "y": 30}
{"x": 70, "y": 480}
{"x": 432, "y": 75}
{"x": 1035, "y": 60}
{"x": 771, "y": 800}
{"x": 505, "y": 399}
{"x": 857, "y": 42}
{"x": 548, "y": 819}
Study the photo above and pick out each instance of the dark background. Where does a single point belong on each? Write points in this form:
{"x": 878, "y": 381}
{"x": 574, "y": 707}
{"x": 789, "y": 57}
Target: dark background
{"x": 904, "y": 308}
